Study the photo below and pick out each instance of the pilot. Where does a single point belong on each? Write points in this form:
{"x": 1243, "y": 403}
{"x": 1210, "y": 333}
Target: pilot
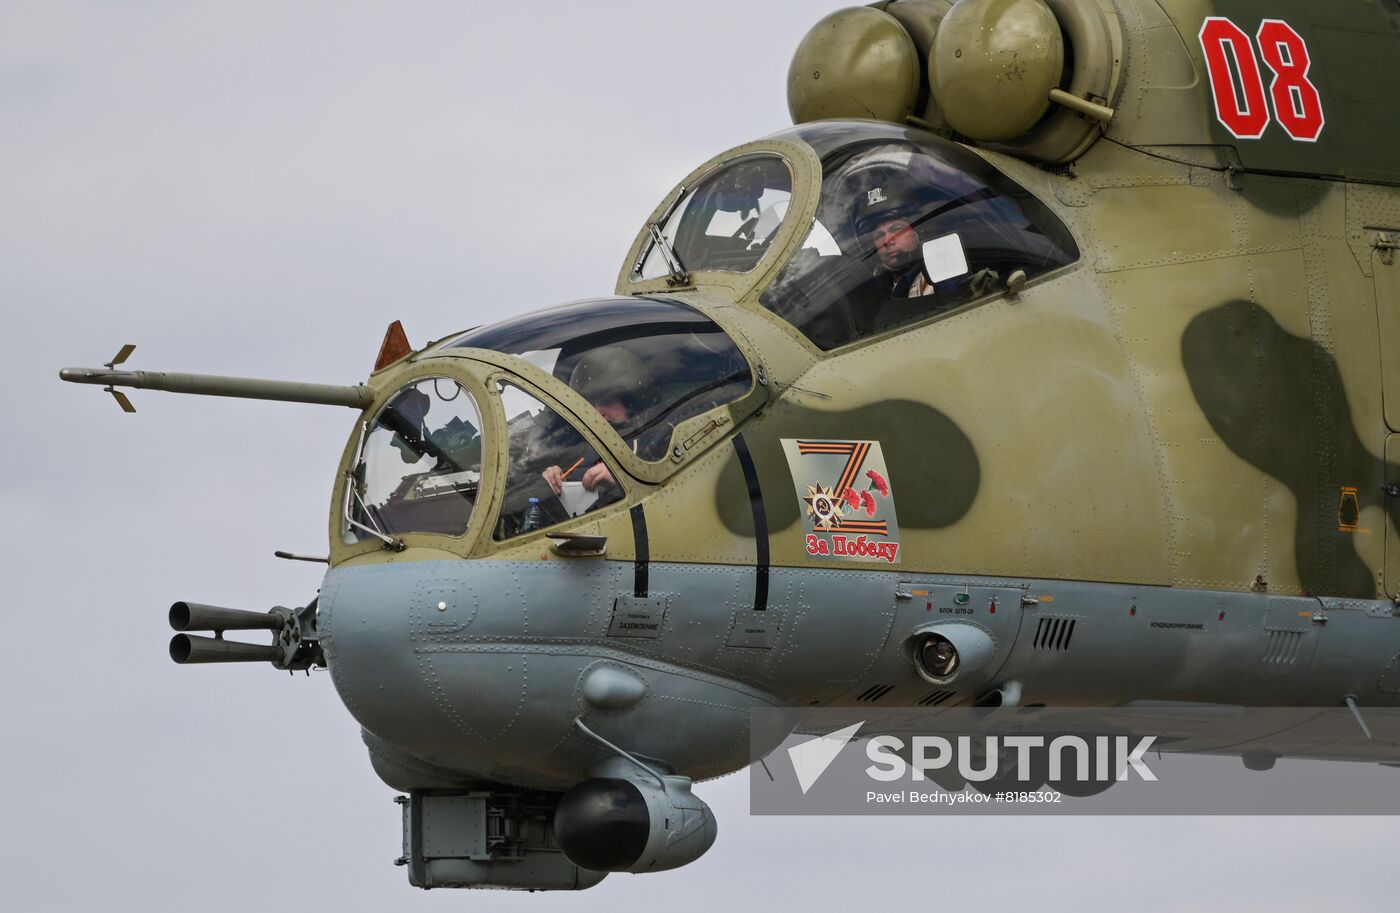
{"x": 887, "y": 227}
{"x": 612, "y": 379}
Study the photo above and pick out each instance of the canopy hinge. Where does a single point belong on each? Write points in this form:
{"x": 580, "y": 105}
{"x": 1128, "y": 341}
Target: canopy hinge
{"x": 1387, "y": 243}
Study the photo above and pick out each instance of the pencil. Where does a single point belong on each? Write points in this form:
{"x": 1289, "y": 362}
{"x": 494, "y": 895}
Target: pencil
{"x": 571, "y": 469}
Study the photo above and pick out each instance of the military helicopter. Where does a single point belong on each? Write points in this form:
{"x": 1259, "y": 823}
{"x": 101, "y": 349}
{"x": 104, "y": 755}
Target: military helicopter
{"x": 1043, "y": 361}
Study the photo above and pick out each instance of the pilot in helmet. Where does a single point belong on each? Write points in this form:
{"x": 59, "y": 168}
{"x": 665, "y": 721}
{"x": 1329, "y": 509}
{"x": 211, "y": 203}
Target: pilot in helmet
{"x": 885, "y": 221}
{"x": 613, "y": 379}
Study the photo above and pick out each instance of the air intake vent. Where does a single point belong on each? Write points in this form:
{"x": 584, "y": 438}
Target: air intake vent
{"x": 1281, "y": 649}
{"x": 1053, "y": 634}
{"x": 874, "y": 693}
{"x": 936, "y": 698}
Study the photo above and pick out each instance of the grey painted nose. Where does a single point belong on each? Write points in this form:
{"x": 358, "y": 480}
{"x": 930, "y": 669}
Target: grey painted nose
{"x": 451, "y": 663}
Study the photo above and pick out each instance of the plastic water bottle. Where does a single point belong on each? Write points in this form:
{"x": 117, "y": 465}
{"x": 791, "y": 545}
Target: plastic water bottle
{"x": 534, "y": 516}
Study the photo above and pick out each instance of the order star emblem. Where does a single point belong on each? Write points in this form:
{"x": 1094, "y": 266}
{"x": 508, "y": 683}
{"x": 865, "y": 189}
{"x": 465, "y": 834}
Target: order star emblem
{"x": 824, "y": 507}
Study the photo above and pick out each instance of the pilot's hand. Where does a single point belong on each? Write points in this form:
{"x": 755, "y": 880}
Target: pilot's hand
{"x": 554, "y": 477}
{"x": 597, "y": 474}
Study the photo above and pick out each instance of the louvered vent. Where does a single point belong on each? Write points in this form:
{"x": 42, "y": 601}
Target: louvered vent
{"x": 1282, "y": 647}
{"x": 1053, "y": 634}
{"x": 874, "y": 693}
{"x": 936, "y": 698}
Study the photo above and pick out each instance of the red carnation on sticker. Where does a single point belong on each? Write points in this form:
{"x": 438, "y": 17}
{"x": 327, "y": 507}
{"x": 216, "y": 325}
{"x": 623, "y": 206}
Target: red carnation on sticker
{"x": 852, "y": 498}
{"x": 879, "y": 482}
{"x": 869, "y": 501}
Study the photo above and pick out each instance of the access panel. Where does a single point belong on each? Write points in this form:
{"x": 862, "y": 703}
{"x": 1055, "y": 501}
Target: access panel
{"x": 1385, "y": 264}
{"x": 1392, "y": 536}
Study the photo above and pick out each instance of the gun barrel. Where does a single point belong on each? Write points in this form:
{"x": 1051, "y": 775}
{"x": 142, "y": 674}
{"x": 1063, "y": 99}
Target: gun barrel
{"x": 358, "y": 396}
{"x": 189, "y": 649}
{"x": 191, "y": 616}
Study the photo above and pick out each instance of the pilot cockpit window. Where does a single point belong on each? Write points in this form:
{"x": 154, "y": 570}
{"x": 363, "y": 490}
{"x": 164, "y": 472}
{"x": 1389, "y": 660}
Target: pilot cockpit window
{"x": 552, "y": 473}
{"x": 725, "y": 222}
{"x": 908, "y": 227}
{"x": 419, "y": 466}
{"x": 645, "y": 364}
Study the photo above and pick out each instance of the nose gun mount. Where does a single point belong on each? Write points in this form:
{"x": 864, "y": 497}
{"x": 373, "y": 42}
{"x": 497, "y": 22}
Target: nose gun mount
{"x": 295, "y": 642}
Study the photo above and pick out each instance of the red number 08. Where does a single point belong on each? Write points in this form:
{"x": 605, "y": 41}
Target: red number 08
{"x": 1238, "y": 86}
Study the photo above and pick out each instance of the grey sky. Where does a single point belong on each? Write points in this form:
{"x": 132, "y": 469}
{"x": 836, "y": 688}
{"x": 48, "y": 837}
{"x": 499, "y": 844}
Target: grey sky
{"x": 259, "y": 188}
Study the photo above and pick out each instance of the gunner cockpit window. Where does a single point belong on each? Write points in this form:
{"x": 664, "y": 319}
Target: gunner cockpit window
{"x": 645, "y": 364}
{"x": 725, "y": 222}
{"x": 553, "y": 473}
{"x": 908, "y": 227}
{"x": 420, "y": 464}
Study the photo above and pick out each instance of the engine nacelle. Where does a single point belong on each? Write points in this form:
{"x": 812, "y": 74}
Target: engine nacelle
{"x": 611, "y": 824}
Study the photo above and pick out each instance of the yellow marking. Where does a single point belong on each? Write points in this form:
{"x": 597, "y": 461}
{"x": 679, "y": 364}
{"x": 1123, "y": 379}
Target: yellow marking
{"x": 1305, "y": 614}
{"x": 1349, "y": 497}
{"x": 920, "y": 593}
{"x": 1047, "y": 598}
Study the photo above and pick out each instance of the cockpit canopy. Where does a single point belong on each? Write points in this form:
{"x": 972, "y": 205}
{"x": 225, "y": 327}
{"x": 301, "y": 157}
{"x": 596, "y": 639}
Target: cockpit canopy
{"x": 725, "y": 222}
{"x": 420, "y": 464}
{"x": 646, "y": 364}
{"x": 908, "y": 226}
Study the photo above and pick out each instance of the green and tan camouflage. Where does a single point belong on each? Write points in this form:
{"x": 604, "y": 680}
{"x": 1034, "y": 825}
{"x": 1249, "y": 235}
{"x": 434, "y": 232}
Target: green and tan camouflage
{"x": 1153, "y": 460}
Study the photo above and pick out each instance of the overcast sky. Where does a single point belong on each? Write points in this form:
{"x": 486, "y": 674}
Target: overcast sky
{"x": 259, "y": 188}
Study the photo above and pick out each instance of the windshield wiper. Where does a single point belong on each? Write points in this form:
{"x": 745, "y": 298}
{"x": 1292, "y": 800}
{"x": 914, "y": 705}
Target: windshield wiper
{"x": 390, "y": 543}
{"x": 678, "y": 276}
{"x": 352, "y": 490}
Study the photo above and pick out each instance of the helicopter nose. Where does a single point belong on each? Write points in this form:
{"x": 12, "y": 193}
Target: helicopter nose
{"x": 485, "y": 668}
{"x": 462, "y": 663}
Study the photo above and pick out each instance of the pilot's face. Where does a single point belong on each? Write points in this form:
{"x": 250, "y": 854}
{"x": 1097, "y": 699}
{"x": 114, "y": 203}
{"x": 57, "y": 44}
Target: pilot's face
{"x": 895, "y": 241}
{"x": 614, "y": 410}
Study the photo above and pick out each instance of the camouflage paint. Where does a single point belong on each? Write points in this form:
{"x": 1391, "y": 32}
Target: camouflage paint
{"x": 1277, "y": 402}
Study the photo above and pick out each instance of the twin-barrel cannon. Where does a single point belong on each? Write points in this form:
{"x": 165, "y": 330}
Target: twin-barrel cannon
{"x": 294, "y": 646}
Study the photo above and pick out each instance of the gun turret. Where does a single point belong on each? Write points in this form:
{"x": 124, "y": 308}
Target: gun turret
{"x": 357, "y": 396}
{"x": 294, "y": 643}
